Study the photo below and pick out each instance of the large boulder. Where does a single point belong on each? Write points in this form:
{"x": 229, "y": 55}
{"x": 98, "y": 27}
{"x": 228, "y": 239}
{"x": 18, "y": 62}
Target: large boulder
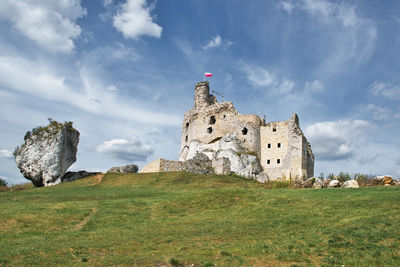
{"x": 350, "y": 184}
{"x": 47, "y": 153}
{"x": 333, "y": 183}
{"x": 124, "y": 169}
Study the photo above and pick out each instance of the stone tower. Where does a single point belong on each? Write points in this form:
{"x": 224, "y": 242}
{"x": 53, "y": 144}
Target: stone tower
{"x": 202, "y": 97}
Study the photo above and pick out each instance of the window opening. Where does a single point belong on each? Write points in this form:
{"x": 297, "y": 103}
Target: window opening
{"x": 274, "y": 129}
{"x": 224, "y": 116}
{"x": 279, "y": 145}
{"x": 187, "y": 125}
{"x": 268, "y": 161}
{"x": 212, "y": 120}
{"x": 269, "y": 145}
{"x": 278, "y": 161}
{"x": 186, "y": 138}
{"x": 209, "y": 129}
{"x": 244, "y": 131}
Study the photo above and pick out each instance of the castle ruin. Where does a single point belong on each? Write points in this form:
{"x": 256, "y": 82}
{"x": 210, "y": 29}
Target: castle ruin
{"x": 243, "y": 144}
{"x": 280, "y": 146}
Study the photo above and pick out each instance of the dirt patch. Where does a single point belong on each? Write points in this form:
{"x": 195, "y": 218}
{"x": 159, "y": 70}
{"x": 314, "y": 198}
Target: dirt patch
{"x": 80, "y": 225}
{"x": 98, "y": 178}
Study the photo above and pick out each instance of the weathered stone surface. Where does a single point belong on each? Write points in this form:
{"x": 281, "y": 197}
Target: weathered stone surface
{"x": 231, "y": 148}
{"x": 350, "y": 184}
{"x": 334, "y": 183}
{"x": 47, "y": 153}
{"x": 72, "y": 176}
{"x": 124, "y": 169}
{"x": 308, "y": 183}
{"x": 318, "y": 183}
{"x": 282, "y": 150}
{"x": 221, "y": 165}
{"x": 382, "y": 180}
{"x": 199, "y": 164}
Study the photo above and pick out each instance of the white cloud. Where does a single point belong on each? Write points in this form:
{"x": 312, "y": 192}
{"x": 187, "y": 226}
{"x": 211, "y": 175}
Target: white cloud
{"x": 217, "y": 41}
{"x": 133, "y": 20}
{"x": 378, "y": 113}
{"x": 314, "y": 86}
{"x": 112, "y": 88}
{"x": 130, "y": 149}
{"x": 6, "y": 154}
{"x": 261, "y": 77}
{"x": 336, "y": 140}
{"x": 37, "y": 79}
{"x": 51, "y": 24}
{"x": 387, "y": 90}
{"x": 287, "y": 6}
{"x": 214, "y": 42}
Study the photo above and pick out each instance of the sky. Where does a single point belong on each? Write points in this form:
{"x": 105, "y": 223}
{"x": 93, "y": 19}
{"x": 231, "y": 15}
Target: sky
{"x": 124, "y": 73}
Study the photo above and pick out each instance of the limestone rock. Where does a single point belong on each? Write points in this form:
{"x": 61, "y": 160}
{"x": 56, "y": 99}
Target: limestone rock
{"x": 228, "y": 147}
{"x": 221, "y": 165}
{"x": 124, "y": 169}
{"x": 307, "y": 183}
{"x": 334, "y": 183}
{"x": 47, "y": 153}
{"x": 318, "y": 183}
{"x": 199, "y": 164}
{"x": 72, "y": 176}
{"x": 350, "y": 184}
{"x": 383, "y": 180}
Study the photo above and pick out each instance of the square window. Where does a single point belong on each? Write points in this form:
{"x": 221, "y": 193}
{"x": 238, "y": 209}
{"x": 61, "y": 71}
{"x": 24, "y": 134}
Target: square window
{"x": 268, "y": 161}
{"x": 278, "y": 161}
{"x": 269, "y": 145}
{"x": 274, "y": 129}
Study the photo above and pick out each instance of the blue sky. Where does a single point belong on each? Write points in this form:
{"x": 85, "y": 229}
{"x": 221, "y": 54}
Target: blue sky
{"x": 124, "y": 73}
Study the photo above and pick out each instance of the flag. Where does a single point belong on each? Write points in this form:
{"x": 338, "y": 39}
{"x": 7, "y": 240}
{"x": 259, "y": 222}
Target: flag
{"x": 208, "y": 74}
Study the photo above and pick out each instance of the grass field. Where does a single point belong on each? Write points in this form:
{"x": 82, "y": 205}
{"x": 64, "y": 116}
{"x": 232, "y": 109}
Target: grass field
{"x": 182, "y": 219}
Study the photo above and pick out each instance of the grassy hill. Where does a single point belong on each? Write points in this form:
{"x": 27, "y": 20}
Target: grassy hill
{"x": 183, "y": 219}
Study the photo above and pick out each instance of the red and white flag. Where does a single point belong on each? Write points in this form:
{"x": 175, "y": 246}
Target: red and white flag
{"x": 208, "y": 74}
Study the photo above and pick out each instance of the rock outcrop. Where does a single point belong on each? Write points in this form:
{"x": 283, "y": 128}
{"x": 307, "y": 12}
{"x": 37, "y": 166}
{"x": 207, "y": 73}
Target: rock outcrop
{"x": 47, "y": 153}
{"x": 229, "y": 152}
{"x": 124, "y": 169}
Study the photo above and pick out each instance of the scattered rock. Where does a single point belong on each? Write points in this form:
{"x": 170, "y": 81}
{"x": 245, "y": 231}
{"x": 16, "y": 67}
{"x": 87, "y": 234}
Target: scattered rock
{"x": 72, "y": 176}
{"x": 383, "y": 180}
{"x": 333, "y": 183}
{"x": 47, "y": 153}
{"x": 308, "y": 183}
{"x": 124, "y": 169}
{"x": 350, "y": 184}
{"x": 318, "y": 183}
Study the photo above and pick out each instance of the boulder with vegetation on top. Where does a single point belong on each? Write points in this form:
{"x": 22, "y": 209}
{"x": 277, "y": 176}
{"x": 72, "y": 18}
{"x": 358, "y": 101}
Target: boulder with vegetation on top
{"x": 47, "y": 153}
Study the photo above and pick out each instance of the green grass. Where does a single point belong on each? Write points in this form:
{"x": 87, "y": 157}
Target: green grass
{"x": 180, "y": 219}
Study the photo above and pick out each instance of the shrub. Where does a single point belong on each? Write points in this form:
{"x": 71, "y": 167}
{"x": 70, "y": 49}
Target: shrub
{"x": 3, "y": 182}
{"x": 342, "y": 177}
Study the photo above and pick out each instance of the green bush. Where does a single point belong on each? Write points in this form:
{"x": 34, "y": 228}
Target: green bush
{"x": 3, "y": 182}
